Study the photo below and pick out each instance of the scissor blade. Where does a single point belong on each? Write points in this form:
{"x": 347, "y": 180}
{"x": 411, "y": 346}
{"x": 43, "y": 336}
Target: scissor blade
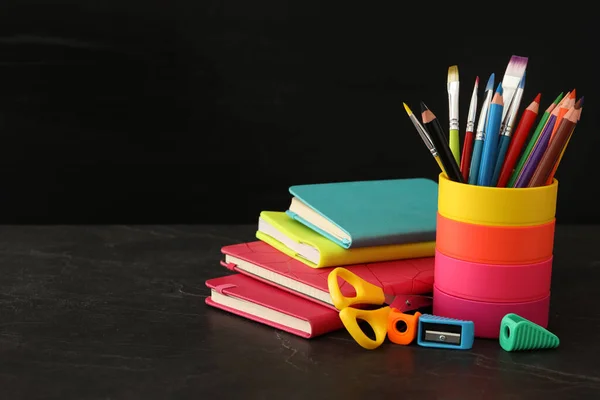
{"x": 389, "y": 299}
{"x": 408, "y": 302}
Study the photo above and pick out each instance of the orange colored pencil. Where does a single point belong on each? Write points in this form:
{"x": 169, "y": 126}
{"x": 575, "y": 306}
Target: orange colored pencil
{"x": 566, "y": 106}
{"x": 550, "y": 156}
{"x": 579, "y": 105}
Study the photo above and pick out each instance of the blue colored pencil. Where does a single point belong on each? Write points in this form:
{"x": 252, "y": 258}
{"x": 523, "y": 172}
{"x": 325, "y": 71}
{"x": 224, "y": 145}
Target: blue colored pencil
{"x": 490, "y": 144}
{"x": 480, "y": 133}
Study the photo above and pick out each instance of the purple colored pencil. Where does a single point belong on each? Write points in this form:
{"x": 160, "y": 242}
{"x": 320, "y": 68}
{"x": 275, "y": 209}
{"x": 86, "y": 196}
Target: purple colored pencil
{"x": 536, "y": 154}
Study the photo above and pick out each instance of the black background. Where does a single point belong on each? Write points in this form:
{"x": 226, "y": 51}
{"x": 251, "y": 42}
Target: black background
{"x": 207, "y": 111}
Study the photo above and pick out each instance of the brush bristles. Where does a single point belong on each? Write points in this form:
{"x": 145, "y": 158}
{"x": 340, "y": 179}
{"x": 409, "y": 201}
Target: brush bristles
{"x": 490, "y": 82}
{"x": 516, "y": 66}
{"x": 453, "y": 74}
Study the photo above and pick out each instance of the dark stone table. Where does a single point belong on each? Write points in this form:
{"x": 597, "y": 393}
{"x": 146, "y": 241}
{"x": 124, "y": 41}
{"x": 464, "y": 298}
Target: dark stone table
{"x": 118, "y": 312}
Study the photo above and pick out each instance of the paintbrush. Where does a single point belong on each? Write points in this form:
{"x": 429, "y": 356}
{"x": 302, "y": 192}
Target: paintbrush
{"x": 465, "y": 160}
{"x": 424, "y": 136}
{"x": 505, "y": 135}
{"x": 480, "y": 133}
{"x": 512, "y": 77}
{"x": 453, "y": 91}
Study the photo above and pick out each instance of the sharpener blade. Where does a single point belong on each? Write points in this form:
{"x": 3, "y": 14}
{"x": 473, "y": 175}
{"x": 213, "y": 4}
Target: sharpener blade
{"x": 442, "y": 337}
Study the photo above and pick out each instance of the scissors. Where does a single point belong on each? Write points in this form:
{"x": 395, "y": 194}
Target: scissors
{"x": 384, "y": 320}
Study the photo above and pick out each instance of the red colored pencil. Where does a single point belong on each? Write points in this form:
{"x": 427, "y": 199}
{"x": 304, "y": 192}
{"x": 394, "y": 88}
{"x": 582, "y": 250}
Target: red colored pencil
{"x": 519, "y": 137}
{"x": 467, "y": 151}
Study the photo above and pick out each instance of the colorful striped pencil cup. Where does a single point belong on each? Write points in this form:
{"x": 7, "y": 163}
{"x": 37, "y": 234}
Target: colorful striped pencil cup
{"x": 494, "y": 251}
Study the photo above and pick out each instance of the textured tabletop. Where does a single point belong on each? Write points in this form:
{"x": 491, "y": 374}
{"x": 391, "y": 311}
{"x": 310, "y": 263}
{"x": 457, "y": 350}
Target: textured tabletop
{"x": 117, "y": 312}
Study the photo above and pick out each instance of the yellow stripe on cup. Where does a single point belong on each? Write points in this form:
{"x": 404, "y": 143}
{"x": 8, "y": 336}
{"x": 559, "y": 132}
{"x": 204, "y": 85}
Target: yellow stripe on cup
{"x": 495, "y": 206}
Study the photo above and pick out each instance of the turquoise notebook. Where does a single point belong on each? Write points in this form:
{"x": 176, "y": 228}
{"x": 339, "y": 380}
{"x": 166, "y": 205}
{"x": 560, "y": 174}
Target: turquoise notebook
{"x": 368, "y": 213}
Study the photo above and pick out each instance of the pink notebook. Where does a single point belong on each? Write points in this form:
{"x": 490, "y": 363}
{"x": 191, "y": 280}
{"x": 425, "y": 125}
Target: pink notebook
{"x": 249, "y": 298}
{"x": 267, "y": 264}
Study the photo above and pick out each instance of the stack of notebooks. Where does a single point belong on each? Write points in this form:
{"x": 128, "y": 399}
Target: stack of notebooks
{"x": 383, "y": 231}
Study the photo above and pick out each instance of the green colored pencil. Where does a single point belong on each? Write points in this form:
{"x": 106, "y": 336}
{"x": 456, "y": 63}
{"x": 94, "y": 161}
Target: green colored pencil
{"x": 532, "y": 141}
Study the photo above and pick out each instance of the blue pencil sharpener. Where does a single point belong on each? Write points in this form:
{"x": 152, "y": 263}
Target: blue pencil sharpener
{"x": 447, "y": 333}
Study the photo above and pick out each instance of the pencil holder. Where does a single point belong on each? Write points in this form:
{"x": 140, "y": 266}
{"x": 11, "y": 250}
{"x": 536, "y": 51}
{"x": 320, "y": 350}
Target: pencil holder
{"x": 495, "y": 244}
{"x": 487, "y": 316}
{"x": 494, "y": 250}
{"x": 493, "y": 282}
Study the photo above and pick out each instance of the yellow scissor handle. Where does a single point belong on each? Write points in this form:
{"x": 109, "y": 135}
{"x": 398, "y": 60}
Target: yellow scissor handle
{"x": 366, "y": 293}
{"x": 378, "y": 320}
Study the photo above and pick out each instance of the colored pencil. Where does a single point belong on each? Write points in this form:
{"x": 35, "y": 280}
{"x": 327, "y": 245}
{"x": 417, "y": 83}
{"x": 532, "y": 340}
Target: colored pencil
{"x": 433, "y": 127}
{"x": 465, "y": 157}
{"x": 555, "y": 148}
{"x": 538, "y": 150}
{"x": 516, "y": 144}
{"x": 490, "y": 144}
{"x": 424, "y": 136}
{"x": 480, "y": 134}
{"x": 512, "y": 77}
{"x": 453, "y": 86}
{"x": 566, "y": 106}
{"x": 533, "y": 140}
{"x": 505, "y": 134}
{"x": 579, "y": 104}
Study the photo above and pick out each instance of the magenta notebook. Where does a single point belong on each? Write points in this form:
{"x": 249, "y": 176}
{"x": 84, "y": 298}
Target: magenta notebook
{"x": 267, "y": 264}
{"x": 252, "y": 299}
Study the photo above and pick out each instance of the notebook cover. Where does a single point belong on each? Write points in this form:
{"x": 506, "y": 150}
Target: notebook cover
{"x": 332, "y": 255}
{"x": 411, "y": 276}
{"x": 374, "y": 213}
{"x": 322, "y": 319}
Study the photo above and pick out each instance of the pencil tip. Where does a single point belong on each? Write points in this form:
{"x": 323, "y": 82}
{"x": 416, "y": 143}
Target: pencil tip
{"x": 538, "y": 98}
{"x": 558, "y": 98}
{"x": 579, "y": 103}
{"x": 424, "y": 107}
{"x": 573, "y": 94}
{"x": 408, "y": 110}
{"x": 499, "y": 90}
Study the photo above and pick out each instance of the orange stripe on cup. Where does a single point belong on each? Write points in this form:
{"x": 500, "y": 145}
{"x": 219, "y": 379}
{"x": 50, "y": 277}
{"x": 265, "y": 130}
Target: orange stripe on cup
{"x": 495, "y": 244}
{"x": 494, "y": 283}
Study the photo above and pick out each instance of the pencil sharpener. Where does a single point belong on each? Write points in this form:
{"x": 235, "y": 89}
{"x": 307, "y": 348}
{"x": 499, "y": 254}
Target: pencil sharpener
{"x": 447, "y": 333}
